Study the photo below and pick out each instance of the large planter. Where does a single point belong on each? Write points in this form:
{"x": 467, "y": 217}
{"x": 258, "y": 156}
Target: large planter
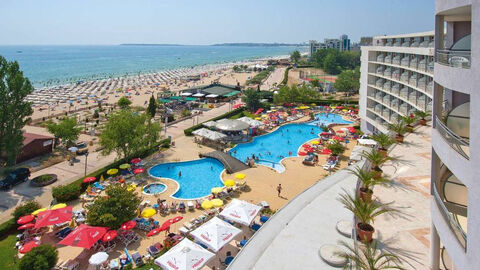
{"x": 423, "y": 122}
{"x": 399, "y": 138}
{"x": 409, "y": 128}
{"x": 365, "y": 232}
{"x": 43, "y": 180}
{"x": 377, "y": 173}
{"x": 366, "y": 194}
{"x": 382, "y": 152}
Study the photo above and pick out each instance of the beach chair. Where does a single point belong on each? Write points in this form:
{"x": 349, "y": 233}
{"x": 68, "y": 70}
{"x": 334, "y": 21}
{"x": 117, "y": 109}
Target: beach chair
{"x": 137, "y": 259}
{"x": 190, "y": 206}
{"x": 98, "y": 186}
{"x": 184, "y": 230}
{"x": 181, "y": 207}
{"x": 114, "y": 264}
{"x": 152, "y": 250}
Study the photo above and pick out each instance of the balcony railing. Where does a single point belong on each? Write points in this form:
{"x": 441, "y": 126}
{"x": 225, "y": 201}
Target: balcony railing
{"x": 452, "y": 222}
{"x": 458, "y": 143}
{"x": 458, "y": 59}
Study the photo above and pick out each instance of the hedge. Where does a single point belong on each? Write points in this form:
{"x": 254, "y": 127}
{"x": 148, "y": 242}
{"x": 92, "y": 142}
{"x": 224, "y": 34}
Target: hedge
{"x": 72, "y": 191}
{"x": 188, "y": 131}
{"x": 7, "y": 228}
{"x": 285, "y": 76}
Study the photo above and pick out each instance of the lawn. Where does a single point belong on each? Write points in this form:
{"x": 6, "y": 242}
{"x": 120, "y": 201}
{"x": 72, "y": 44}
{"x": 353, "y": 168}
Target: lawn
{"x": 148, "y": 266}
{"x": 8, "y": 253}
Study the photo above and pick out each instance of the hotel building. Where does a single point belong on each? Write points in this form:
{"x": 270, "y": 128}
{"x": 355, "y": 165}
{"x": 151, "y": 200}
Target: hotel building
{"x": 396, "y": 78}
{"x": 455, "y": 200}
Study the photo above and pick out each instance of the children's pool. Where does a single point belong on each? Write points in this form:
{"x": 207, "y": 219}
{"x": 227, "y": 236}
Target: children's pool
{"x": 155, "y": 188}
{"x": 197, "y": 178}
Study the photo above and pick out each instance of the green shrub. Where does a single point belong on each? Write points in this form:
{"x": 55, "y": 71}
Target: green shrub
{"x": 8, "y": 227}
{"x": 285, "y": 76}
{"x": 66, "y": 193}
{"x": 25, "y": 209}
{"x": 43, "y": 257}
{"x": 43, "y": 178}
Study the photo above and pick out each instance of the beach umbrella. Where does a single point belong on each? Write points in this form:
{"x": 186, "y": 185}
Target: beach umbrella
{"x": 36, "y": 212}
{"x": 340, "y": 131}
{"x": 240, "y": 211}
{"x": 124, "y": 166}
{"x": 58, "y": 206}
{"x": 56, "y": 216}
{"x": 27, "y": 247}
{"x": 229, "y": 183}
{"x": 324, "y": 133}
{"x": 126, "y": 226}
{"x": 184, "y": 255}
{"x": 135, "y": 160}
{"x": 171, "y": 221}
{"x": 73, "y": 149}
{"x": 157, "y": 231}
{"x": 207, "y": 204}
{"x": 240, "y": 176}
{"x": 89, "y": 179}
{"x": 215, "y": 233}
{"x": 340, "y": 139}
{"x": 302, "y": 153}
{"x": 109, "y": 236}
{"x": 216, "y": 190}
{"x": 315, "y": 142}
{"x": 139, "y": 171}
{"x": 84, "y": 236}
{"x": 112, "y": 171}
{"x": 148, "y": 212}
{"x": 26, "y": 226}
{"x": 25, "y": 219}
{"x": 217, "y": 202}
{"x": 98, "y": 258}
{"x": 131, "y": 187}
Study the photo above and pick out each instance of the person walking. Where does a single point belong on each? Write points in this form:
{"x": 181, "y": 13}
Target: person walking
{"x": 279, "y": 189}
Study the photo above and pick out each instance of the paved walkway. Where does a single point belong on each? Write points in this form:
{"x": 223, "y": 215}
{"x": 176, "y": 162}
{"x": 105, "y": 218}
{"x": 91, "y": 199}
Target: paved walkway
{"x": 232, "y": 164}
{"x": 275, "y": 77}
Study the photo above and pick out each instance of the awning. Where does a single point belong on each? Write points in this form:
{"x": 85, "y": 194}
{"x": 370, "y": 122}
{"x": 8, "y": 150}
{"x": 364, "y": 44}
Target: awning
{"x": 215, "y": 233}
{"x": 185, "y": 94}
{"x": 84, "y": 236}
{"x": 231, "y": 125}
{"x": 164, "y": 100}
{"x": 198, "y": 95}
{"x": 209, "y": 124}
{"x": 241, "y": 212}
{"x": 190, "y": 99}
{"x": 184, "y": 255}
{"x": 208, "y": 134}
{"x": 52, "y": 217}
{"x": 175, "y": 98}
{"x": 233, "y": 93}
{"x": 212, "y": 96}
{"x": 251, "y": 122}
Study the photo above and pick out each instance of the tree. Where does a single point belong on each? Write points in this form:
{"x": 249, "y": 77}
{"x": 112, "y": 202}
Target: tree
{"x": 127, "y": 133}
{"x": 295, "y": 56}
{"x": 152, "y": 107}
{"x": 302, "y": 94}
{"x": 369, "y": 257}
{"x": 336, "y": 147}
{"x": 124, "y": 103}
{"x": 14, "y": 110}
{"x": 66, "y": 130}
{"x": 119, "y": 206}
{"x": 25, "y": 209}
{"x": 43, "y": 257}
{"x": 348, "y": 81}
{"x": 384, "y": 140}
{"x": 331, "y": 64}
{"x": 252, "y": 99}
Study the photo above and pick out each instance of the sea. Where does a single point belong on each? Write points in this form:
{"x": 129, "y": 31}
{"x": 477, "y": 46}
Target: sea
{"x": 55, "y": 65}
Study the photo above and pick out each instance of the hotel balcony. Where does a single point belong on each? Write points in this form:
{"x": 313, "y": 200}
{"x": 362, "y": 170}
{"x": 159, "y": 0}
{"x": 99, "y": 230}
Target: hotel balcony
{"x": 456, "y": 142}
{"x": 380, "y": 58}
{"x": 405, "y": 61}
{"x": 387, "y": 86}
{"x": 414, "y": 62}
{"x": 457, "y": 56}
{"x": 396, "y": 60}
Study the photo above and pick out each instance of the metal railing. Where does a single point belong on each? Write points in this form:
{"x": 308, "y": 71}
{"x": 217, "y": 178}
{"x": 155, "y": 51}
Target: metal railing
{"x": 456, "y": 142}
{"x": 457, "y": 59}
{"x": 452, "y": 222}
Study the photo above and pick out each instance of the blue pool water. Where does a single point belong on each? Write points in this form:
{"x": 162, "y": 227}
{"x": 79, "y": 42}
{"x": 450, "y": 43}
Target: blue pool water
{"x": 328, "y": 118}
{"x": 153, "y": 189}
{"x": 198, "y": 176}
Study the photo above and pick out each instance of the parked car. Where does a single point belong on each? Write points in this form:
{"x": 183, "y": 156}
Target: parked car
{"x": 15, "y": 177}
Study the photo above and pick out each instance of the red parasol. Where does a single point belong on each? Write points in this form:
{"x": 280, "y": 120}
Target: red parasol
{"x": 325, "y": 133}
{"x": 89, "y": 179}
{"x": 236, "y": 106}
{"x": 326, "y": 151}
{"x": 26, "y": 226}
{"x": 109, "y": 236}
{"x": 25, "y": 219}
{"x": 84, "y": 236}
{"x": 157, "y": 231}
{"x": 302, "y": 153}
{"x": 340, "y": 107}
{"x": 340, "y": 139}
{"x": 139, "y": 170}
{"x": 340, "y": 131}
{"x": 128, "y": 225}
{"x": 27, "y": 247}
{"x": 135, "y": 160}
{"x": 56, "y": 216}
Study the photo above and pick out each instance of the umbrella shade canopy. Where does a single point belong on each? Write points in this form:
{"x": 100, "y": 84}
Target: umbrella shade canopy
{"x": 89, "y": 179}
{"x": 148, "y": 212}
{"x": 128, "y": 225}
{"x": 231, "y": 125}
{"x": 240, "y": 211}
{"x": 340, "y": 131}
{"x": 171, "y": 221}
{"x": 251, "y": 122}
{"x": 240, "y": 176}
{"x": 315, "y": 142}
{"x": 98, "y": 258}
{"x": 56, "y": 216}
{"x": 112, "y": 171}
{"x": 84, "y": 236}
{"x": 215, "y": 234}
{"x": 124, "y": 166}
{"x": 135, "y": 160}
{"x": 217, "y": 202}
{"x": 207, "y": 204}
{"x": 229, "y": 183}
{"x": 209, "y": 124}
{"x": 208, "y": 134}
{"x": 26, "y": 226}
{"x": 340, "y": 139}
{"x": 109, "y": 236}
{"x": 36, "y": 212}
{"x": 139, "y": 171}
{"x": 185, "y": 255}
{"x": 58, "y": 206}
{"x": 25, "y": 219}
{"x": 27, "y": 247}
{"x": 216, "y": 190}
{"x": 156, "y": 231}
{"x": 236, "y": 106}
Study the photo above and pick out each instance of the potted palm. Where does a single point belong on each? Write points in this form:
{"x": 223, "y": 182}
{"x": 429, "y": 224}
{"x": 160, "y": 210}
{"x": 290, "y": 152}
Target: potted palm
{"x": 384, "y": 141}
{"x": 365, "y": 213}
{"x": 368, "y": 180}
{"x": 369, "y": 257}
{"x": 422, "y": 115}
{"x": 377, "y": 159}
{"x": 336, "y": 147}
{"x": 409, "y": 120}
{"x": 399, "y": 129}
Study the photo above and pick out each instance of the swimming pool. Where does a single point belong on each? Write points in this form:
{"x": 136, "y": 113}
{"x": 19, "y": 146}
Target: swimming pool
{"x": 197, "y": 178}
{"x": 155, "y": 188}
{"x": 328, "y": 118}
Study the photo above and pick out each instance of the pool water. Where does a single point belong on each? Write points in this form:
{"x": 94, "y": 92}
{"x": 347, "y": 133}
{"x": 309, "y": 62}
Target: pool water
{"x": 197, "y": 179}
{"x": 153, "y": 189}
{"x": 328, "y": 118}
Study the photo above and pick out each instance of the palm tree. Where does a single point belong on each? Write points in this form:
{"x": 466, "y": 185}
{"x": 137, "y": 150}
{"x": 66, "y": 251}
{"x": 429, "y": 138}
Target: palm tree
{"x": 422, "y": 115}
{"x": 368, "y": 180}
{"x": 365, "y": 212}
{"x": 384, "y": 141}
{"x": 336, "y": 147}
{"x": 369, "y": 257}
{"x": 409, "y": 120}
{"x": 399, "y": 129}
{"x": 377, "y": 159}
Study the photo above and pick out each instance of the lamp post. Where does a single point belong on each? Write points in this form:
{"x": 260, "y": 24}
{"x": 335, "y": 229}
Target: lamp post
{"x": 86, "y": 159}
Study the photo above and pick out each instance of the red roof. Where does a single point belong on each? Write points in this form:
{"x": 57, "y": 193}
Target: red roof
{"x": 30, "y": 137}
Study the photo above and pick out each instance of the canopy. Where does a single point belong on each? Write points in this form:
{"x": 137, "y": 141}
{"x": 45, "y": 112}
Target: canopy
{"x": 367, "y": 142}
{"x": 58, "y": 206}
{"x": 128, "y": 225}
{"x": 217, "y": 202}
{"x": 210, "y": 124}
{"x": 139, "y": 170}
{"x": 198, "y": 95}
{"x": 175, "y": 98}
{"x": 212, "y": 96}
{"x": 36, "y": 212}
{"x": 25, "y": 219}
{"x": 124, "y": 166}
{"x": 240, "y": 211}
{"x": 233, "y": 93}
{"x": 229, "y": 183}
{"x": 89, "y": 179}
{"x": 207, "y": 204}
{"x": 215, "y": 233}
{"x": 231, "y": 125}
{"x": 236, "y": 106}
{"x": 184, "y": 255}
{"x": 209, "y": 134}
{"x": 240, "y": 176}
{"x": 148, "y": 212}
{"x": 251, "y": 122}
{"x": 55, "y": 216}
{"x": 109, "y": 236}
{"x": 84, "y": 236}
{"x": 190, "y": 99}
{"x": 112, "y": 171}
{"x": 27, "y": 247}
{"x": 185, "y": 94}
{"x": 98, "y": 258}
{"x": 26, "y": 226}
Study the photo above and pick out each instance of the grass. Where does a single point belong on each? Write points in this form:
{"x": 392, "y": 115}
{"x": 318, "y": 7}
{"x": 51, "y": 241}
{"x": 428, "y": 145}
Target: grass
{"x": 8, "y": 259}
{"x": 148, "y": 266}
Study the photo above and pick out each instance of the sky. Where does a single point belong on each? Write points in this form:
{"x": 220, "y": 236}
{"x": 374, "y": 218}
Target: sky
{"x": 98, "y": 22}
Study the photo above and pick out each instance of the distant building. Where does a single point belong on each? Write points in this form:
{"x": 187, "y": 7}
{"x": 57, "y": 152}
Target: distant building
{"x": 366, "y": 41}
{"x": 35, "y": 145}
{"x": 341, "y": 44}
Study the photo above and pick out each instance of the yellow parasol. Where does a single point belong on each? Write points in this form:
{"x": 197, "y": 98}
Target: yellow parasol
{"x": 315, "y": 142}
{"x": 313, "y": 104}
{"x": 101, "y": 178}
{"x": 207, "y": 204}
{"x": 124, "y": 166}
{"x": 216, "y": 202}
{"x": 36, "y": 212}
{"x": 240, "y": 175}
{"x": 216, "y": 190}
{"x": 112, "y": 171}
{"x": 229, "y": 183}
{"x": 344, "y": 110}
{"x": 148, "y": 212}
{"x": 258, "y": 118}
{"x": 333, "y": 107}
{"x": 264, "y": 116}
{"x": 58, "y": 206}
{"x": 131, "y": 187}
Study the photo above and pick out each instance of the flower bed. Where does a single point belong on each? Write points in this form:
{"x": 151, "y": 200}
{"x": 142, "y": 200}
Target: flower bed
{"x": 43, "y": 180}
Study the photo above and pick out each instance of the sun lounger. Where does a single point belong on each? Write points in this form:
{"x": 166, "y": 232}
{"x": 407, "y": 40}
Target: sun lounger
{"x": 152, "y": 250}
{"x": 98, "y": 186}
{"x": 184, "y": 230}
{"x": 137, "y": 259}
{"x": 190, "y": 205}
{"x": 114, "y": 264}
{"x": 188, "y": 225}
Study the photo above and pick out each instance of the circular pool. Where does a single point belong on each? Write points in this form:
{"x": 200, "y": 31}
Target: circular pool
{"x": 155, "y": 188}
